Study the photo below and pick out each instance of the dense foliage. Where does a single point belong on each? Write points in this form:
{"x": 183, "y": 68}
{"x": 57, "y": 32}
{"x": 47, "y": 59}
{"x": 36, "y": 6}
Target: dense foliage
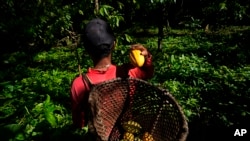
{"x": 37, "y": 25}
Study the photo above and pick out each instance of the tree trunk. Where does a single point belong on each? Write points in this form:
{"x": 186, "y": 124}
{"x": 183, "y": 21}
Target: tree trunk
{"x": 160, "y": 26}
{"x": 96, "y": 7}
{"x": 160, "y": 36}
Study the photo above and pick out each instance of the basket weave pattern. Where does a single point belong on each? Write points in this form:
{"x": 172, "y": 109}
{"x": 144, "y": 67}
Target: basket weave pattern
{"x": 119, "y": 100}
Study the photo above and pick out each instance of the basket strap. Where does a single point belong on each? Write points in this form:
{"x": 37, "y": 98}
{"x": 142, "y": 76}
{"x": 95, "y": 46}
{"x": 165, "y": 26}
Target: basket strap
{"x": 86, "y": 79}
{"x": 122, "y": 71}
{"x": 88, "y": 117}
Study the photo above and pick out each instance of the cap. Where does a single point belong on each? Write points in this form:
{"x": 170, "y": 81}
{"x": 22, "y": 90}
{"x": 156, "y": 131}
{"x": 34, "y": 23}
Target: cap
{"x": 98, "y": 32}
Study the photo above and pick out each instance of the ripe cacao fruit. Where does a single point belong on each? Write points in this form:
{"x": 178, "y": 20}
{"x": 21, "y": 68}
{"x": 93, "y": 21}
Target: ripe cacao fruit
{"x": 137, "y": 139}
{"x": 147, "y": 137}
{"x": 136, "y": 58}
{"x": 128, "y": 136}
{"x": 131, "y": 126}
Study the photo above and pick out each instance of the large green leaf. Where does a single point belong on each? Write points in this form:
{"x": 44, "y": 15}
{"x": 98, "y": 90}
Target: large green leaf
{"x": 49, "y": 112}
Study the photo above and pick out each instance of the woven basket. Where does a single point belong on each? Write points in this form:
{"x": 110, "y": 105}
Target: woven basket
{"x": 155, "y": 109}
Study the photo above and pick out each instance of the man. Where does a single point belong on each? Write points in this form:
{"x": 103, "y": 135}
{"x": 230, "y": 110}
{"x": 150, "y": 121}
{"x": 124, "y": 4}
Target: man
{"x": 99, "y": 42}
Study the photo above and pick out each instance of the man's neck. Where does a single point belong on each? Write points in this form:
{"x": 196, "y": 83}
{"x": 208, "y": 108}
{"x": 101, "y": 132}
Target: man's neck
{"x": 103, "y": 63}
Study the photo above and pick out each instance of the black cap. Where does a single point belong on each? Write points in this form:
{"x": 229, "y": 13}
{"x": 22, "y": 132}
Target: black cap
{"x": 98, "y": 32}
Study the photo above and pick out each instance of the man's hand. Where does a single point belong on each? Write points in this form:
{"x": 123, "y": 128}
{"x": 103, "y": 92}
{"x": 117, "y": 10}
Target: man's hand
{"x": 140, "y": 47}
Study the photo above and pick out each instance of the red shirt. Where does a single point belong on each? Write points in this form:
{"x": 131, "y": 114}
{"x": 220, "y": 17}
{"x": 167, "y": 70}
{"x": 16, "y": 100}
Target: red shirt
{"x": 79, "y": 89}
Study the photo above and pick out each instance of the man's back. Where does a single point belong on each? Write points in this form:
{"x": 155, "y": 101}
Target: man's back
{"x": 80, "y": 89}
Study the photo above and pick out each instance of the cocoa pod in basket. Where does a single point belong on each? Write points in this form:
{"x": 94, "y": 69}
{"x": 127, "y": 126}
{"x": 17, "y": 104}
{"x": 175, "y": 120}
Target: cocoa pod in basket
{"x": 131, "y": 126}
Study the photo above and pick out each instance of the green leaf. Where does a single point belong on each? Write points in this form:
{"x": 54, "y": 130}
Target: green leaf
{"x": 13, "y": 127}
{"x": 101, "y": 11}
{"x": 117, "y": 21}
{"x": 80, "y": 12}
{"x": 223, "y": 6}
{"x": 122, "y": 52}
{"x": 106, "y": 11}
{"x": 38, "y": 108}
{"x": 172, "y": 59}
{"x": 194, "y": 82}
{"x": 20, "y": 137}
{"x": 188, "y": 113}
{"x": 49, "y": 112}
{"x": 47, "y": 101}
{"x": 50, "y": 117}
{"x": 120, "y": 5}
{"x": 128, "y": 38}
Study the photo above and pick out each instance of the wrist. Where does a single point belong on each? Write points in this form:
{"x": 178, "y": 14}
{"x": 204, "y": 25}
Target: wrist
{"x": 148, "y": 56}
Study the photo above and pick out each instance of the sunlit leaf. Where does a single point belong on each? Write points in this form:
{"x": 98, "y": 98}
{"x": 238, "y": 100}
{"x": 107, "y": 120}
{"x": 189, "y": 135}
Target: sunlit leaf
{"x": 223, "y": 6}
{"x": 80, "y": 12}
{"x": 172, "y": 59}
{"x": 20, "y": 137}
{"x": 50, "y": 117}
{"x": 128, "y": 38}
{"x": 121, "y": 5}
{"x": 38, "y": 108}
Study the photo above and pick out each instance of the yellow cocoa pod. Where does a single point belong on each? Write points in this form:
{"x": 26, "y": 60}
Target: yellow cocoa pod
{"x": 136, "y": 58}
{"x": 137, "y": 139}
{"x": 131, "y": 126}
{"x": 128, "y": 136}
{"x": 147, "y": 137}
